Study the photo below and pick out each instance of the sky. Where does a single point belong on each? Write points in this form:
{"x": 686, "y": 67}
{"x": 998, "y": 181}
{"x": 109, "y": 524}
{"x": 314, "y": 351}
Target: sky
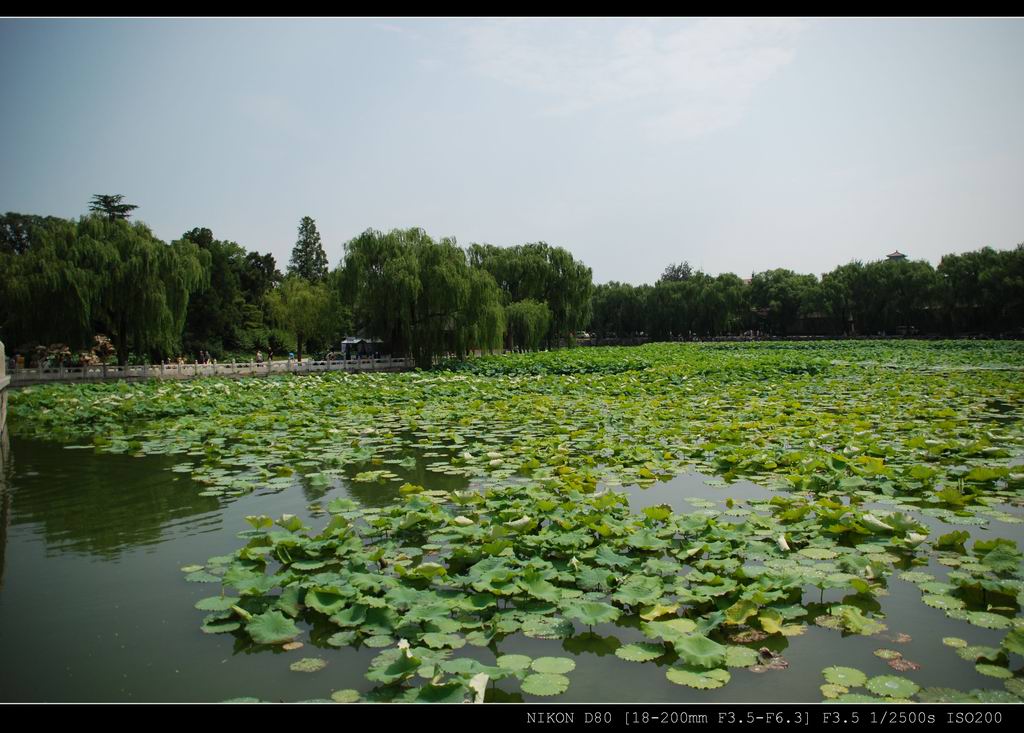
{"x": 736, "y": 145}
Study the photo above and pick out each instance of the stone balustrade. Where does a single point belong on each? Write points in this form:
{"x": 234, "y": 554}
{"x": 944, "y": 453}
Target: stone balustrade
{"x": 106, "y": 372}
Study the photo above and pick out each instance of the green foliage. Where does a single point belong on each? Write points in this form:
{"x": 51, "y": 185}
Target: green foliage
{"x": 980, "y": 291}
{"x": 528, "y": 323}
{"x": 307, "y": 310}
{"x": 309, "y": 261}
{"x": 271, "y": 628}
{"x": 543, "y": 274}
{"x": 420, "y": 296}
{"x": 229, "y": 314}
{"x": 112, "y": 206}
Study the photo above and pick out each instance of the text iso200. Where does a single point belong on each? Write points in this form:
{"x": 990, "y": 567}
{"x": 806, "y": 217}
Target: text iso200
{"x": 969, "y": 716}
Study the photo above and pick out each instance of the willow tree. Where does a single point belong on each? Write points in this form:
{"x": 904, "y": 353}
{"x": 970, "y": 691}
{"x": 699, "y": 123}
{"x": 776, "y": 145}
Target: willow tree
{"x": 421, "y": 295}
{"x": 546, "y": 274}
{"x": 528, "y": 324}
{"x": 300, "y": 307}
{"x": 381, "y": 281}
{"x": 146, "y": 287}
{"x": 482, "y": 321}
{"x": 570, "y": 285}
{"x": 49, "y": 291}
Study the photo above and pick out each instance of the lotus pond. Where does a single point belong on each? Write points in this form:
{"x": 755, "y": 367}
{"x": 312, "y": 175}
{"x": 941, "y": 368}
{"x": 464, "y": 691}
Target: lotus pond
{"x": 675, "y": 522}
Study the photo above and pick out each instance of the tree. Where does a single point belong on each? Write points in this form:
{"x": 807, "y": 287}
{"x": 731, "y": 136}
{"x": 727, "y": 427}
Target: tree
{"x": 677, "y": 273}
{"x": 838, "y": 289}
{"x": 18, "y": 231}
{"x": 783, "y": 296}
{"x": 49, "y": 291}
{"x": 143, "y": 299}
{"x": 528, "y": 322}
{"x": 983, "y": 290}
{"x": 420, "y": 295}
{"x": 301, "y": 307}
{"x": 309, "y": 261}
{"x": 381, "y": 281}
{"x": 259, "y": 276}
{"x": 100, "y": 274}
{"x": 482, "y": 321}
{"x": 216, "y": 318}
{"x": 542, "y": 273}
{"x": 111, "y": 206}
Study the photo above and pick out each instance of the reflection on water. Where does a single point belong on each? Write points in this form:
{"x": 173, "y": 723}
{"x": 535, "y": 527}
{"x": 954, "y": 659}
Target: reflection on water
{"x": 678, "y": 489}
{"x": 101, "y": 504}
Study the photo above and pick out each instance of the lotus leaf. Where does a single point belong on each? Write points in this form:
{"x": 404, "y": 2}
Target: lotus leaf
{"x": 545, "y": 685}
{"x": 892, "y": 686}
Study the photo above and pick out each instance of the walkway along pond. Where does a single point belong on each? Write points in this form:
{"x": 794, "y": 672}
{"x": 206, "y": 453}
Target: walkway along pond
{"x": 41, "y": 375}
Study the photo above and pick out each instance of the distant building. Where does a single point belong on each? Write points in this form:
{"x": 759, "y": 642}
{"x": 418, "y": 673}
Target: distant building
{"x": 896, "y": 256}
{"x": 357, "y": 347}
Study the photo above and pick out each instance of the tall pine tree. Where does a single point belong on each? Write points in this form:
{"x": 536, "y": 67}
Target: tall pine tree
{"x": 309, "y": 261}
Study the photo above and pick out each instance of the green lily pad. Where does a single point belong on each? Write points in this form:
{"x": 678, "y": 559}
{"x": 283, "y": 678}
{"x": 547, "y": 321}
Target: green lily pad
{"x": 592, "y": 613}
{"x": 272, "y": 627}
{"x": 854, "y": 697}
{"x": 216, "y": 603}
{"x": 942, "y": 602}
{"x": 988, "y": 620}
{"x": 641, "y": 652}
{"x": 1015, "y": 686}
{"x": 845, "y": 676}
{"x": 699, "y": 651}
{"x": 818, "y": 553}
{"x": 345, "y": 696}
{"x": 342, "y": 638}
{"x": 975, "y": 652}
{"x": 698, "y": 677}
{"x": 553, "y": 665}
{"x": 891, "y": 686}
{"x": 514, "y": 662}
{"x": 308, "y": 664}
{"x": 220, "y": 627}
{"x": 740, "y": 656}
{"x": 378, "y": 641}
{"x": 545, "y": 685}
{"x": 831, "y": 691}
{"x": 992, "y": 670}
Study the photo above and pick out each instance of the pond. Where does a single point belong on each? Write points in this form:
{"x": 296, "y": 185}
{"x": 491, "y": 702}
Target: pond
{"x": 94, "y": 606}
{"x": 706, "y": 523}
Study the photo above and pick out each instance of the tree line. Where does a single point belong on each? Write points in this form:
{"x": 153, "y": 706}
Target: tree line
{"x": 975, "y": 293}
{"x": 67, "y": 285}
{"x": 103, "y": 282}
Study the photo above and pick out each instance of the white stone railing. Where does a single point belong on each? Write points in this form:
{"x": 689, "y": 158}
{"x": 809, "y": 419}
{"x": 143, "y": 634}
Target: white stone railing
{"x": 4, "y": 381}
{"x": 41, "y": 374}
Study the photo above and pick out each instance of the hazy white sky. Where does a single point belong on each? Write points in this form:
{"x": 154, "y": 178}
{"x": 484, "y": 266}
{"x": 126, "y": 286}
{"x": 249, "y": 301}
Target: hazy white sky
{"x": 738, "y": 145}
